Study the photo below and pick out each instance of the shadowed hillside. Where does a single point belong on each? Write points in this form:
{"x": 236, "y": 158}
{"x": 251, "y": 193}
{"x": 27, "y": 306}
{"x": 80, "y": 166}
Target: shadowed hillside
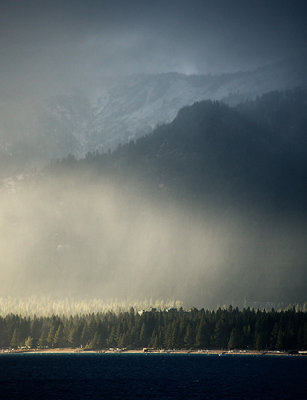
{"x": 255, "y": 152}
{"x": 209, "y": 209}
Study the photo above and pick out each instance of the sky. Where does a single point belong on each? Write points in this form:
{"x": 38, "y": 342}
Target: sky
{"x": 50, "y": 44}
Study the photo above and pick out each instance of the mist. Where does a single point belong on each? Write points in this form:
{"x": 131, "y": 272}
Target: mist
{"x": 62, "y": 239}
{"x": 88, "y": 238}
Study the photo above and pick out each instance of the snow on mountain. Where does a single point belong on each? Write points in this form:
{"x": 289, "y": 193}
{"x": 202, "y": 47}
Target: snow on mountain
{"x": 137, "y": 104}
{"x": 130, "y": 107}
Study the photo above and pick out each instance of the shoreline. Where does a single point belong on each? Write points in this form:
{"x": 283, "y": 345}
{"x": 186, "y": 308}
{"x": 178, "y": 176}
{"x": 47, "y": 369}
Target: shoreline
{"x": 68, "y": 350}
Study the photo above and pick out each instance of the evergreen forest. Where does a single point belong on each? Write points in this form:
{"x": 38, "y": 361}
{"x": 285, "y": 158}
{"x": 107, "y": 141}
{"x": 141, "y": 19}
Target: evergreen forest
{"x": 229, "y": 328}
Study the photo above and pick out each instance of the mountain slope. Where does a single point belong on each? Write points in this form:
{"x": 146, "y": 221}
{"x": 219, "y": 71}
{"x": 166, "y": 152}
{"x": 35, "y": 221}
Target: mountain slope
{"x": 209, "y": 209}
{"x": 253, "y": 152}
{"x": 34, "y": 131}
{"x": 135, "y": 105}
{"x": 228, "y": 185}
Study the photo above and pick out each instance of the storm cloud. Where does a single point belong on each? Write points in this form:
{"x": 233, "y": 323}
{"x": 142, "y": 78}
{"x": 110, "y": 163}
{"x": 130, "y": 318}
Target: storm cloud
{"x": 48, "y": 45}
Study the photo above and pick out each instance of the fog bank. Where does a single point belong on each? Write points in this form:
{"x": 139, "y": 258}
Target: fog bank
{"x": 64, "y": 237}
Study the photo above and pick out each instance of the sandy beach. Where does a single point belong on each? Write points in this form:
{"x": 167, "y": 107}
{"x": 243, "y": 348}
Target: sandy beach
{"x": 216, "y": 352}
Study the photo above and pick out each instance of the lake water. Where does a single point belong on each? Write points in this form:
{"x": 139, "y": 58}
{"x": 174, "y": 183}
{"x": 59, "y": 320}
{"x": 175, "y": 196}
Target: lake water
{"x": 151, "y": 376}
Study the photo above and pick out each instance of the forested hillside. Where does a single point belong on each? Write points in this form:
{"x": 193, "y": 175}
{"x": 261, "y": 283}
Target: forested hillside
{"x": 255, "y": 152}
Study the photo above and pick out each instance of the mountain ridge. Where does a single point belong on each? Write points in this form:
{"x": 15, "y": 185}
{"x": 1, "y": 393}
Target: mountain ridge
{"x": 34, "y": 132}
{"x": 237, "y": 151}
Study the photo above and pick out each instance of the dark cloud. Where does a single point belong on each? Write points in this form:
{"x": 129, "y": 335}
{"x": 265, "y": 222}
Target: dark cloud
{"x": 47, "y": 44}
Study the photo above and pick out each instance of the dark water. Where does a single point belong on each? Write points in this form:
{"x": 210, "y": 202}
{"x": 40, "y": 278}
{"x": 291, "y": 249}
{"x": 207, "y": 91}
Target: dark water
{"x": 145, "y": 376}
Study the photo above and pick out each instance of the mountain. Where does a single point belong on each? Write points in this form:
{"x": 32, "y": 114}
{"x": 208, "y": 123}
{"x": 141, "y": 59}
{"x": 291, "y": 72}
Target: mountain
{"x": 36, "y": 130}
{"x": 227, "y": 188}
{"x": 135, "y": 105}
{"x": 208, "y": 209}
{"x": 255, "y": 151}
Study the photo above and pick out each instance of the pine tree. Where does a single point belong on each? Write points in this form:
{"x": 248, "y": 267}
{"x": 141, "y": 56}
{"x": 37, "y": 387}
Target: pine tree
{"x": 236, "y": 339}
{"x": 260, "y": 341}
{"x": 29, "y": 342}
{"x": 202, "y": 336}
{"x": 42, "y": 341}
{"x": 73, "y": 336}
{"x": 50, "y": 336}
{"x": 58, "y": 340}
{"x": 188, "y": 337}
{"x": 94, "y": 344}
{"x": 15, "y": 339}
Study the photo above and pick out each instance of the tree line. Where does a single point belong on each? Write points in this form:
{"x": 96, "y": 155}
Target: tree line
{"x": 169, "y": 329}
